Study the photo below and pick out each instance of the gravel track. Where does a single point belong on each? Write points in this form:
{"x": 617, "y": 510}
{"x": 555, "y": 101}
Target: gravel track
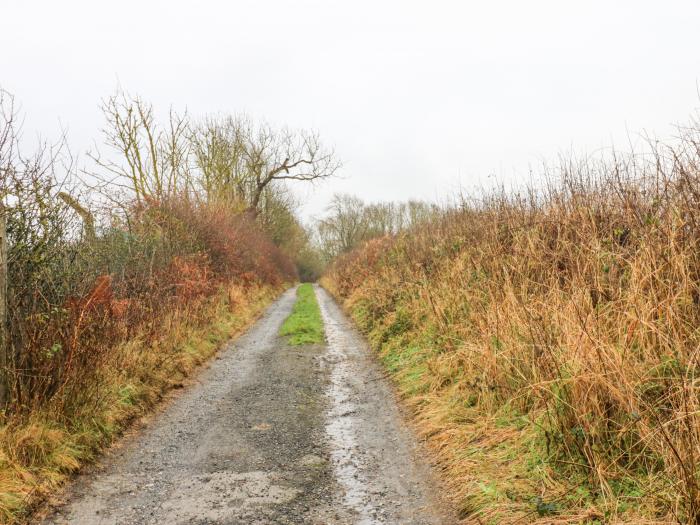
{"x": 269, "y": 433}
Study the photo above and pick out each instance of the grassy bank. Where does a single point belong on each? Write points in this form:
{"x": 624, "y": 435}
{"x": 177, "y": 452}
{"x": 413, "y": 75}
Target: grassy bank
{"x": 501, "y": 453}
{"x": 547, "y": 342}
{"x": 304, "y": 325}
{"x": 39, "y": 451}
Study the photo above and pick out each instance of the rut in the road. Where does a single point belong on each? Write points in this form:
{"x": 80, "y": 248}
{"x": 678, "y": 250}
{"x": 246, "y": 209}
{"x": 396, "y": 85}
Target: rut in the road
{"x": 271, "y": 433}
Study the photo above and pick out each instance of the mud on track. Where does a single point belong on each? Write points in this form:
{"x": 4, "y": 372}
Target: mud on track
{"x": 269, "y": 433}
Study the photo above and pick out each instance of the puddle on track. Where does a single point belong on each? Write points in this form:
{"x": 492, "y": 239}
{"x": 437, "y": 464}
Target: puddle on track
{"x": 342, "y": 428}
{"x": 375, "y": 457}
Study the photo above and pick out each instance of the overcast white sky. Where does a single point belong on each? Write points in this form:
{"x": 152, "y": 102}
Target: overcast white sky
{"x": 416, "y": 97}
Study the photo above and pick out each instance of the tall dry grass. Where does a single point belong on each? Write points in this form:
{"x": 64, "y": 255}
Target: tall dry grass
{"x": 551, "y": 337}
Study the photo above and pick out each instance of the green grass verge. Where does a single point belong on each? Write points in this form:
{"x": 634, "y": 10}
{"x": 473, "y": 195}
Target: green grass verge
{"x": 304, "y": 325}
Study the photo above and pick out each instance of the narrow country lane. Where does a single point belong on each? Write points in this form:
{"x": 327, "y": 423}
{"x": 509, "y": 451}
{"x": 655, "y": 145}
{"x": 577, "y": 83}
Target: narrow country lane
{"x": 270, "y": 433}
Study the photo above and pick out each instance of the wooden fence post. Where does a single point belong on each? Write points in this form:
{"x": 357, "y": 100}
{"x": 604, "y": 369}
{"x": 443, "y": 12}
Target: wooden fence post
{"x": 4, "y": 342}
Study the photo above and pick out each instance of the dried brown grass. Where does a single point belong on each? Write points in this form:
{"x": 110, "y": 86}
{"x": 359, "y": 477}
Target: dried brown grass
{"x": 548, "y": 340}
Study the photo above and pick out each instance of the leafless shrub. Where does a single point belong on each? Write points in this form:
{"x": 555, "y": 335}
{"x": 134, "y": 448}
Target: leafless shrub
{"x": 88, "y": 269}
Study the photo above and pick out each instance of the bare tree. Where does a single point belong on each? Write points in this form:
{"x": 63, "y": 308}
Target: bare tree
{"x": 218, "y": 156}
{"x": 241, "y": 160}
{"x": 285, "y": 155}
{"x": 151, "y": 162}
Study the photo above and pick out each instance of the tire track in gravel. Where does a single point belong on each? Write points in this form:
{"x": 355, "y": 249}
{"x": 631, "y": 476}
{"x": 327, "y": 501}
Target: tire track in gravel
{"x": 269, "y": 434}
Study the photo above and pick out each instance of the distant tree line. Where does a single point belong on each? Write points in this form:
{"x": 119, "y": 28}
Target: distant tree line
{"x": 349, "y": 221}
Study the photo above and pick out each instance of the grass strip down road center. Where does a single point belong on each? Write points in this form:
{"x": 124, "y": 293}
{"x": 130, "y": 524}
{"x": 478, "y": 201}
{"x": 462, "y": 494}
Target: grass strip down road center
{"x": 304, "y": 325}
